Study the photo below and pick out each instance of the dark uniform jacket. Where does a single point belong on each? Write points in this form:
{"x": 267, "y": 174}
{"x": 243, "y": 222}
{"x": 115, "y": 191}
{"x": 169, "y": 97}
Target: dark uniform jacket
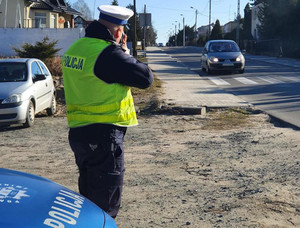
{"x": 112, "y": 66}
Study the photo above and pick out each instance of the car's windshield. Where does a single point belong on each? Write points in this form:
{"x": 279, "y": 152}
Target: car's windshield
{"x": 223, "y": 47}
{"x": 12, "y": 72}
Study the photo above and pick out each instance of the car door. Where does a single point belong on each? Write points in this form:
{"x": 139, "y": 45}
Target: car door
{"x": 40, "y": 88}
{"x": 49, "y": 81}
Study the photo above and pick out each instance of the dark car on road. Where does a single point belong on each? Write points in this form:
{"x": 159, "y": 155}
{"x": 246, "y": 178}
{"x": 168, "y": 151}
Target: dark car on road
{"x": 222, "y": 55}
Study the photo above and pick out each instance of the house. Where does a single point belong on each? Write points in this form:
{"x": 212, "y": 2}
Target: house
{"x": 229, "y": 27}
{"x": 203, "y": 30}
{"x": 80, "y": 22}
{"x": 36, "y": 14}
{"x": 255, "y": 20}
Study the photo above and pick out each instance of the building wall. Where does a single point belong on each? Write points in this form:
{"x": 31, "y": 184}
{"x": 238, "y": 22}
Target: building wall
{"x": 203, "y": 30}
{"x": 49, "y": 15}
{"x": 229, "y": 27}
{"x": 16, "y": 37}
{"x": 255, "y": 21}
{"x": 27, "y": 19}
{"x": 12, "y": 13}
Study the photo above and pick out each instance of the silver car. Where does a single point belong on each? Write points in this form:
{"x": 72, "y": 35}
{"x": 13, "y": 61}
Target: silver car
{"x": 26, "y": 88}
{"x": 222, "y": 55}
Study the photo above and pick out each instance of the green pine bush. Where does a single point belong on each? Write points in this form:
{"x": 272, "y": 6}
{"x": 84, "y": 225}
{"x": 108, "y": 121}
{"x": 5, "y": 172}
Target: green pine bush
{"x": 42, "y": 50}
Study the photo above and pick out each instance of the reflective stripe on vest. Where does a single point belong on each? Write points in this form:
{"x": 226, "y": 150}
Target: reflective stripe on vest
{"x": 90, "y": 100}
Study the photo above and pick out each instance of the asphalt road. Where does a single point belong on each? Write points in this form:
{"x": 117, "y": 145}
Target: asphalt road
{"x": 271, "y": 87}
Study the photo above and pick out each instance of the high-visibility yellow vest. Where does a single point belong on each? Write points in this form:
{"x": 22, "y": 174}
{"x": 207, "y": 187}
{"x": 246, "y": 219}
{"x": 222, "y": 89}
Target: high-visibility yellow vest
{"x": 90, "y": 100}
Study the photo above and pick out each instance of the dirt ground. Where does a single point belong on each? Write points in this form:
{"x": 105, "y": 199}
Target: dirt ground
{"x": 229, "y": 168}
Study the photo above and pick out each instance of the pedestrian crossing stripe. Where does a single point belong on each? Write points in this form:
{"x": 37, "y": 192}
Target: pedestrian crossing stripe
{"x": 293, "y": 79}
{"x": 270, "y": 80}
{"x": 245, "y": 81}
{"x": 218, "y": 81}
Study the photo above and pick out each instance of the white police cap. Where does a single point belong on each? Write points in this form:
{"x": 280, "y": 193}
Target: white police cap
{"x": 115, "y": 14}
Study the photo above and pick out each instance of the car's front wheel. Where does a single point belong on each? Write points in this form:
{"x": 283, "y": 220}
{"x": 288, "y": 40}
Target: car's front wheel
{"x": 202, "y": 67}
{"x": 208, "y": 70}
{"x": 30, "y": 116}
{"x": 52, "y": 109}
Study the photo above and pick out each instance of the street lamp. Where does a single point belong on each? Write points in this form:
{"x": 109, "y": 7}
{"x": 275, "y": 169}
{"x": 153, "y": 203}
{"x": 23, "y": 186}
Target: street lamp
{"x": 195, "y": 18}
{"x": 238, "y": 24}
{"x": 183, "y": 36}
{"x": 209, "y": 20}
{"x": 175, "y": 33}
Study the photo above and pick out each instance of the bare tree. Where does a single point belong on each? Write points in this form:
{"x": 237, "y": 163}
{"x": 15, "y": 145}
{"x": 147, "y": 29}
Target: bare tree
{"x": 84, "y": 9}
{"x": 115, "y": 3}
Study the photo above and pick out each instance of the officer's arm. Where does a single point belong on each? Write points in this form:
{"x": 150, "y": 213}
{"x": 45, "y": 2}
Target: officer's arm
{"x": 115, "y": 66}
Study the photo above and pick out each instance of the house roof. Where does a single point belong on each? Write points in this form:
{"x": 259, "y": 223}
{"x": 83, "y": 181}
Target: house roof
{"x": 41, "y": 5}
{"x": 53, "y": 5}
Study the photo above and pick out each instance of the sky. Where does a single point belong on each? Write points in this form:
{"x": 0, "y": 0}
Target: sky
{"x": 166, "y": 14}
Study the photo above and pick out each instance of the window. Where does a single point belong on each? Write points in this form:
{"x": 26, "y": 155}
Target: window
{"x": 45, "y": 71}
{"x": 12, "y": 72}
{"x": 35, "y": 69}
{"x": 40, "y": 20}
{"x": 223, "y": 47}
{"x": 53, "y": 21}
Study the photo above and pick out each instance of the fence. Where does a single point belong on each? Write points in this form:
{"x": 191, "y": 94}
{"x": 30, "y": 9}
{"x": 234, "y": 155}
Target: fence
{"x": 16, "y": 37}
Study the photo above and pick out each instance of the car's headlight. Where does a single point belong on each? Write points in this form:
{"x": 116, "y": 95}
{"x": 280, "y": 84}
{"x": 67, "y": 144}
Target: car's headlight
{"x": 214, "y": 59}
{"x": 15, "y": 98}
{"x": 240, "y": 58}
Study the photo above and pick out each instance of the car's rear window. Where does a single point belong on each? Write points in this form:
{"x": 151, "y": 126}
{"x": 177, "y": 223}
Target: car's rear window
{"x": 223, "y": 47}
{"x": 13, "y": 72}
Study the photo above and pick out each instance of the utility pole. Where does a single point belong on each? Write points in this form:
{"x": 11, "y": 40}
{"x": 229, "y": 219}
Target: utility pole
{"x": 183, "y": 38}
{"x": 238, "y": 24}
{"x": 175, "y": 33}
{"x": 134, "y": 31}
{"x": 209, "y": 21}
{"x": 145, "y": 32}
{"x": 196, "y": 22}
{"x": 175, "y": 36}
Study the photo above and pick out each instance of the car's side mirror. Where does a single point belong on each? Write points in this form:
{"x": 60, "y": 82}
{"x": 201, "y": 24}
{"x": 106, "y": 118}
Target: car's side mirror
{"x": 39, "y": 77}
{"x": 204, "y": 51}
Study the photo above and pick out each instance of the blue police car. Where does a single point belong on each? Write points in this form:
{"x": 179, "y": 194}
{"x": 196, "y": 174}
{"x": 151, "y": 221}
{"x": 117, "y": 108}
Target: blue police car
{"x": 30, "y": 201}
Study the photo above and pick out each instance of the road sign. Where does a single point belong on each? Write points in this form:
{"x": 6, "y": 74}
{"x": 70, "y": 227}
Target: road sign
{"x": 145, "y": 19}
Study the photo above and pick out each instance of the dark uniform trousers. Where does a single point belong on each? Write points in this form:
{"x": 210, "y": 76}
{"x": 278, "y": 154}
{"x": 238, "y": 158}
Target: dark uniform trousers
{"x": 101, "y": 168}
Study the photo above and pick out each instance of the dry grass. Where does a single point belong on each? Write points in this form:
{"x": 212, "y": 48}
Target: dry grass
{"x": 148, "y": 100}
{"x": 224, "y": 119}
{"x": 54, "y": 65}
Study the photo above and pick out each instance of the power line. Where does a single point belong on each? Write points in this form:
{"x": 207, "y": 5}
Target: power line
{"x": 168, "y": 9}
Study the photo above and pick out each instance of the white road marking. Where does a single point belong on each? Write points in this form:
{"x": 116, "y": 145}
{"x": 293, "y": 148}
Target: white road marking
{"x": 270, "y": 80}
{"x": 245, "y": 81}
{"x": 195, "y": 69}
{"x": 292, "y": 79}
{"x": 218, "y": 81}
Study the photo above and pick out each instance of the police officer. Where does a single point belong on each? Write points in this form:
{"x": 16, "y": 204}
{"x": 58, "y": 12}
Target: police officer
{"x": 98, "y": 73}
